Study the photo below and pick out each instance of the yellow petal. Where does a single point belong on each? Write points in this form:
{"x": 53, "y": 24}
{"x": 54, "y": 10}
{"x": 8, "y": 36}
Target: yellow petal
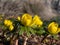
{"x": 28, "y": 16}
{"x": 26, "y": 19}
{"x": 7, "y": 22}
{"x": 11, "y": 27}
{"x": 28, "y": 22}
{"x": 58, "y": 30}
{"x": 18, "y": 18}
{"x": 37, "y": 21}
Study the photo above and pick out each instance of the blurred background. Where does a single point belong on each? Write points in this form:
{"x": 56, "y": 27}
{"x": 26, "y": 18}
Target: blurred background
{"x": 43, "y": 8}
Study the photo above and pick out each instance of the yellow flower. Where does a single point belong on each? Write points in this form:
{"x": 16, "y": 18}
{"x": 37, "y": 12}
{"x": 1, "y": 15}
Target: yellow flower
{"x": 26, "y": 19}
{"x": 11, "y": 27}
{"x": 53, "y": 28}
{"x": 7, "y": 22}
{"x": 37, "y": 21}
{"x": 18, "y": 18}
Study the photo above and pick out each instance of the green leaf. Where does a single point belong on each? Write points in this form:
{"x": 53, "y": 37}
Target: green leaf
{"x": 31, "y": 30}
{"x": 4, "y": 28}
{"x": 40, "y": 31}
{"x": 28, "y": 34}
{"x": 21, "y": 32}
{"x": 34, "y": 26}
{"x": 55, "y": 37}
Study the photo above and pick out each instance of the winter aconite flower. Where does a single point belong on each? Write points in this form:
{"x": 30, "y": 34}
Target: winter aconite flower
{"x": 26, "y": 19}
{"x": 53, "y": 28}
{"x": 18, "y": 18}
{"x": 7, "y": 22}
{"x": 37, "y": 21}
{"x": 11, "y": 27}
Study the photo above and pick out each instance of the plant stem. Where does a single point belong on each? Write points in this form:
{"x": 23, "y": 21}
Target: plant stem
{"x": 25, "y": 42}
{"x": 14, "y": 42}
{"x": 44, "y": 38}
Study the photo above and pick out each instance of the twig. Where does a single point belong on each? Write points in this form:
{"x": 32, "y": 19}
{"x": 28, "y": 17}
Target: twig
{"x": 44, "y": 38}
{"x": 16, "y": 42}
{"x": 25, "y": 42}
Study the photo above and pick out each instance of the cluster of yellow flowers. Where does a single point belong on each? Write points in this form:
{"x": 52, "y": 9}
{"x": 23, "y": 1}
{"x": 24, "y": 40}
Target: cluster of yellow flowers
{"x": 53, "y": 28}
{"x": 9, "y": 24}
{"x": 27, "y": 20}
